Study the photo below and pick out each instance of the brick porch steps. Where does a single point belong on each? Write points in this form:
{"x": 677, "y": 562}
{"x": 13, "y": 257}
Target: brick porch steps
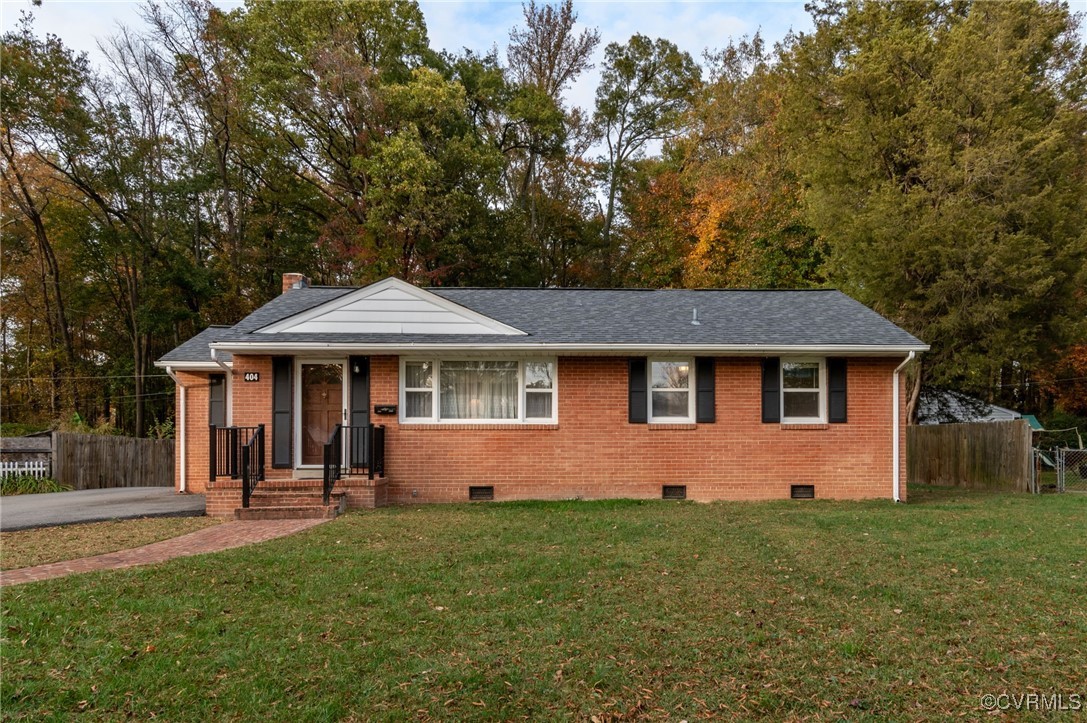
{"x": 289, "y": 498}
{"x": 224, "y": 497}
{"x": 291, "y": 504}
{"x": 288, "y": 513}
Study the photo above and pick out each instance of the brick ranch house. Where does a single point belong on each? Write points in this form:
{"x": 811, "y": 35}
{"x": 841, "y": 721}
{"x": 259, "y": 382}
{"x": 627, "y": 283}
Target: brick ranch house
{"x": 328, "y": 397}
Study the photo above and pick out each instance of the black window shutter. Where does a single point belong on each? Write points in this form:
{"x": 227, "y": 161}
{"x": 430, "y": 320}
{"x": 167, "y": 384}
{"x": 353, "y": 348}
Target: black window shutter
{"x": 217, "y": 400}
{"x": 705, "y": 385}
{"x": 281, "y": 411}
{"x": 639, "y": 402}
{"x": 836, "y": 387}
{"x": 771, "y": 390}
{"x": 360, "y": 407}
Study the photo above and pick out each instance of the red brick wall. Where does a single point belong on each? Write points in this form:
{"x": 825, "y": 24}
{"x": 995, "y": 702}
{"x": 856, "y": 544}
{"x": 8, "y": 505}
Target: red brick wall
{"x": 222, "y": 499}
{"x": 253, "y": 405}
{"x": 593, "y": 452}
{"x": 196, "y": 431}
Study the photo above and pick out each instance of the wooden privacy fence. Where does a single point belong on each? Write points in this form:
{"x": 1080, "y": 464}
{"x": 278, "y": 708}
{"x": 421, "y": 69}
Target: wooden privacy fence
{"x": 95, "y": 461}
{"x": 980, "y": 455}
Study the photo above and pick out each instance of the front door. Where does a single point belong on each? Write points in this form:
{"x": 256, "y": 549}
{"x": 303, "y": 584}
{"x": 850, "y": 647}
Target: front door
{"x": 322, "y": 408}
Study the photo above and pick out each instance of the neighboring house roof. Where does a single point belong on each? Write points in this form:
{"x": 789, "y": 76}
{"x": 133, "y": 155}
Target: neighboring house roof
{"x": 943, "y": 406}
{"x": 392, "y": 316}
{"x": 1033, "y": 422}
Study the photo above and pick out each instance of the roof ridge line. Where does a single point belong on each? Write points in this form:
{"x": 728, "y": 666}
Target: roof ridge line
{"x": 600, "y": 288}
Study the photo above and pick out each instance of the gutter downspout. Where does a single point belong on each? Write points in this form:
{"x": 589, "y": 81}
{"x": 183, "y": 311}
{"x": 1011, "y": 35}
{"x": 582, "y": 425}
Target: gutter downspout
{"x": 215, "y": 358}
{"x": 180, "y": 429}
{"x": 895, "y": 425}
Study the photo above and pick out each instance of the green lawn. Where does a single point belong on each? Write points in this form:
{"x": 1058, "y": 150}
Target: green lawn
{"x": 26, "y": 548}
{"x": 567, "y": 610}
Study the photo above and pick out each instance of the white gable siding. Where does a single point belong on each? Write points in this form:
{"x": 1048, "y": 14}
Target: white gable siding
{"x": 390, "y": 309}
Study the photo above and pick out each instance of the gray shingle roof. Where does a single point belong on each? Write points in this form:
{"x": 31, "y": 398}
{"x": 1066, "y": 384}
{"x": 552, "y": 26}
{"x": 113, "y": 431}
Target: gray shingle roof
{"x": 605, "y": 316}
{"x": 663, "y": 316}
{"x": 196, "y": 349}
{"x": 285, "y": 305}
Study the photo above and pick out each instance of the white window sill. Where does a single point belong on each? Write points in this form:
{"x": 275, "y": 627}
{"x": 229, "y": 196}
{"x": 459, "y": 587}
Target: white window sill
{"x": 430, "y": 426}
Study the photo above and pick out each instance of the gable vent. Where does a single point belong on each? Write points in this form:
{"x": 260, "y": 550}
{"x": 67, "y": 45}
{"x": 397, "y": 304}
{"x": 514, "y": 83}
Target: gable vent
{"x": 674, "y": 492}
{"x": 481, "y": 494}
{"x": 802, "y": 492}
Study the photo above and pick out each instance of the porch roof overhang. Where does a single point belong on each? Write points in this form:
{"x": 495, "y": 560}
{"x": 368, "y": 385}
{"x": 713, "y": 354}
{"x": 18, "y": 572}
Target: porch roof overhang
{"x": 521, "y": 348}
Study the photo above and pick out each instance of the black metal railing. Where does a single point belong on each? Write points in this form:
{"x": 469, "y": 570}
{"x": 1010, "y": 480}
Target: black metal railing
{"x": 252, "y": 464}
{"x": 225, "y": 450}
{"x": 332, "y": 461}
{"x": 358, "y": 449}
{"x": 377, "y": 450}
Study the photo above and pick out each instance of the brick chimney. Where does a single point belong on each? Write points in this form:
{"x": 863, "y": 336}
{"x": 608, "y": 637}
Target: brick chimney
{"x": 294, "y": 281}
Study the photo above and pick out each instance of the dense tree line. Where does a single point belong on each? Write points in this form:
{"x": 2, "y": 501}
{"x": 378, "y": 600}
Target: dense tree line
{"x": 927, "y": 157}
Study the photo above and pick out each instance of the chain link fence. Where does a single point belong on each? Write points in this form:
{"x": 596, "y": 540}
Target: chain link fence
{"x": 1071, "y": 470}
{"x": 1061, "y": 469}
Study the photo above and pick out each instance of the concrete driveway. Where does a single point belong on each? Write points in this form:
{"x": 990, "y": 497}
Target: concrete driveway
{"x": 22, "y": 512}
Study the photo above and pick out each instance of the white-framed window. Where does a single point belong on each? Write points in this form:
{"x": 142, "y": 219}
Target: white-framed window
{"x": 417, "y": 382}
{"x": 460, "y": 391}
{"x": 671, "y": 391}
{"x": 539, "y": 376}
{"x": 803, "y": 391}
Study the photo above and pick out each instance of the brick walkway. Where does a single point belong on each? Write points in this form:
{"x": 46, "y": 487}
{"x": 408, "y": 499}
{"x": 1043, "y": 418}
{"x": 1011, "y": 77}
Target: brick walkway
{"x": 210, "y": 539}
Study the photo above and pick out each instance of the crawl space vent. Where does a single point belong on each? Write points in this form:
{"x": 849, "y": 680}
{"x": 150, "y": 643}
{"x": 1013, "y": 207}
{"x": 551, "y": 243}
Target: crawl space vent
{"x": 674, "y": 492}
{"x": 802, "y": 492}
{"x": 479, "y": 494}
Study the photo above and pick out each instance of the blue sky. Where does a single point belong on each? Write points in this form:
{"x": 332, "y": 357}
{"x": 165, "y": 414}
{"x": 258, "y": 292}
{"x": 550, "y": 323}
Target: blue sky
{"x": 481, "y": 25}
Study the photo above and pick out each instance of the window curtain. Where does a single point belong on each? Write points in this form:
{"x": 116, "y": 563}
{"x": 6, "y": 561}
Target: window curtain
{"x": 418, "y": 383}
{"x": 417, "y": 404}
{"x": 479, "y": 390}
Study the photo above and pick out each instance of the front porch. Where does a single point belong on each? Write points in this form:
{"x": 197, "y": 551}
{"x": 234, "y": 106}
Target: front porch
{"x": 352, "y": 475}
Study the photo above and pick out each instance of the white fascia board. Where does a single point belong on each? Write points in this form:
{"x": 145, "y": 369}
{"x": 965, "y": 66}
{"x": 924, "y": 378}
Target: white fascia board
{"x": 572, "y": 349}
{"x": 391, "y": 283}
{"x": 193, "y": 366}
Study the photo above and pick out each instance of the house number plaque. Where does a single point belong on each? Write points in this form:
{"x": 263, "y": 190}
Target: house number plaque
{"x": 252, "y": 376}
{"x": 384, "y": 409}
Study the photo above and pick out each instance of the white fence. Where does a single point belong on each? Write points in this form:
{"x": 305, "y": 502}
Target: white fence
{"x": 35, "y": 468}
